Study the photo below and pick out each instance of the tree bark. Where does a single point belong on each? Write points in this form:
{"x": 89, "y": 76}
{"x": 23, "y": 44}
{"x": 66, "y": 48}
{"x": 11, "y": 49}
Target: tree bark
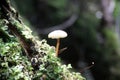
{"x": 107, "y": 7}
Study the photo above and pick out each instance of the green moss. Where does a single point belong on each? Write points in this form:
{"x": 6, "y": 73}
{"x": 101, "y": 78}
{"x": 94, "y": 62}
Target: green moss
{"x": 15, "y": 65}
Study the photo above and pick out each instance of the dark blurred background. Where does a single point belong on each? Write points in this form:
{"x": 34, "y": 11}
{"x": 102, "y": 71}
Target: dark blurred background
{"x": 93, "y": 28}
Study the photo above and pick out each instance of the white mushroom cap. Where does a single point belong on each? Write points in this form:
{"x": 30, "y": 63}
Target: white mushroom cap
{"x": 57, "y": 34}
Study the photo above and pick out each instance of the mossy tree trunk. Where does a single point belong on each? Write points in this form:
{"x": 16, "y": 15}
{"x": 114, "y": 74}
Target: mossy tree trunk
{"x": 40, "y": 63}
{"x": 10, "y": 15}
{"x": 109, "y": 40}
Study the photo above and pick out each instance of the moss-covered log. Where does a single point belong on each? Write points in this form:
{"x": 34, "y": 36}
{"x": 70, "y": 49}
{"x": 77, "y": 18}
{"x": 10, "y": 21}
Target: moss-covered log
{"x": 39, "y": 63}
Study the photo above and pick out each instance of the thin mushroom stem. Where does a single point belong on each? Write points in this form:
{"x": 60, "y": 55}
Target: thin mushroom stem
{"x": 57, "y": 46}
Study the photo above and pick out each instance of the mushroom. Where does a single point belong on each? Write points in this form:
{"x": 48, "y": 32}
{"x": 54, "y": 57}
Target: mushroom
{"x": 57, "y": 34}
